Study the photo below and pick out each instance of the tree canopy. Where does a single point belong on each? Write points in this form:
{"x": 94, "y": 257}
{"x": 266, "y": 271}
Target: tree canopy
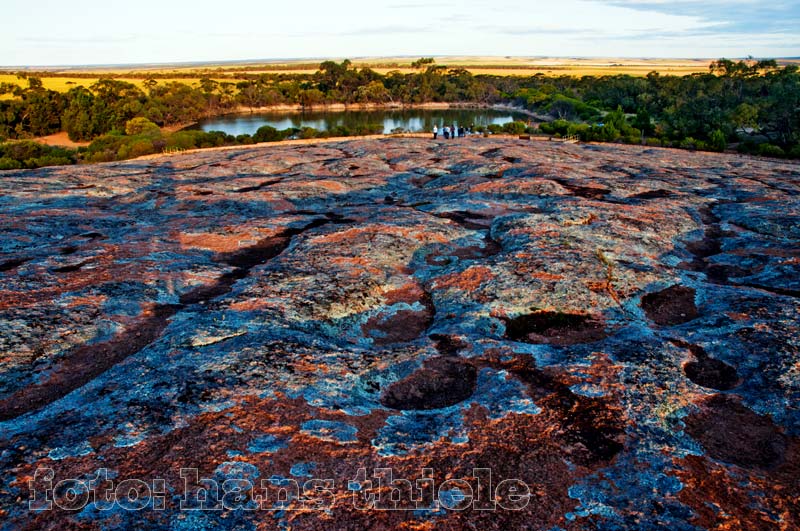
{"x": 754, "y": 104}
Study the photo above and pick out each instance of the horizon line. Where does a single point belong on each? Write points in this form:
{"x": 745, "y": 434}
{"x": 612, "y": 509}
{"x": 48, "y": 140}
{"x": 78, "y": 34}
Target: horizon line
{"x": 288, "y": 60}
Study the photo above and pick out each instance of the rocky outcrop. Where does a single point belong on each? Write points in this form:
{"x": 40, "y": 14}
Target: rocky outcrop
{"x": 614, "y": 326}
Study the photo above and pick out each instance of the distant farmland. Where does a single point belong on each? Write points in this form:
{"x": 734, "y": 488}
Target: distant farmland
{"x": 63, "y": 79}
{"x": 62, "y": 82}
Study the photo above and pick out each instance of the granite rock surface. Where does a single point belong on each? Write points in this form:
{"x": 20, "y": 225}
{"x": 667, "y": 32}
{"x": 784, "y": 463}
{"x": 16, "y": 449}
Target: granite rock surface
{"x": 615, "y": 327}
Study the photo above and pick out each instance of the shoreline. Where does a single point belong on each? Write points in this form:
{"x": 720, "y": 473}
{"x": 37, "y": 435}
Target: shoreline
{"x": 61, "y": 139}
{"x": 346, "y": 107}
{"x": 308, "y": 141}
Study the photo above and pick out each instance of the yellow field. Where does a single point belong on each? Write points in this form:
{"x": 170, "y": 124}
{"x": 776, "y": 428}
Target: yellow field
{"x": 555, "y": 70}
{"x": 478, "y": 65}
{"x": 63, "y": 80}
{"x": 65, "y": 83}
{"x": 60, "y": 84}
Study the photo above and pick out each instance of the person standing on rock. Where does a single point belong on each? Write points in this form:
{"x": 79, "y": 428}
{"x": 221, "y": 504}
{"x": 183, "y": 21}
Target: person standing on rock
{"x": 446, "y": 132}
{"x": 435, "y": 131}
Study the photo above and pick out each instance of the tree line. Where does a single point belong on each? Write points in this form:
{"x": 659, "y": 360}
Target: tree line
{"x": 753, "y": 105}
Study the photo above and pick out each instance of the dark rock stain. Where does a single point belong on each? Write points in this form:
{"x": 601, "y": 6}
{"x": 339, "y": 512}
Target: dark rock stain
{"x": 556, "y": 328}
{"x": 441, "y": 382}
{"x": 671, "y": 306}
{"x": 734, "y": 434}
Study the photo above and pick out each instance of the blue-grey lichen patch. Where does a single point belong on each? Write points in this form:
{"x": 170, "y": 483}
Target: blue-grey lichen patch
{"x": 266, "y": 444}
{"x": 303, "y": 469}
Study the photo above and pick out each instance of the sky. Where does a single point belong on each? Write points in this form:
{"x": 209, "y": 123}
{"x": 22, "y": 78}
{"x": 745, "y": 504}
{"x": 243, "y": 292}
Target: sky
{"x": 85, "y": 32}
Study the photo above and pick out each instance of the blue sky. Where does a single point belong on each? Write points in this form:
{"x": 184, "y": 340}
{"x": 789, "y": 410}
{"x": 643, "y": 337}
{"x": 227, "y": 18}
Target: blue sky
{"x": 64, "y": 32}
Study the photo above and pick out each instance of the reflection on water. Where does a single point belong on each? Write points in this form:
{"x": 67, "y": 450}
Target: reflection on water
{"x": 414, "y": 120}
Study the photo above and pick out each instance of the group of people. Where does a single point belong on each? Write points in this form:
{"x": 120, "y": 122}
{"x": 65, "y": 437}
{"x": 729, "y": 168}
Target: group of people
{"x": 450, "y": 131}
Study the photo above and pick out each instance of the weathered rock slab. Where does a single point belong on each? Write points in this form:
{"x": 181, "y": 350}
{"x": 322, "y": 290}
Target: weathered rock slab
{"x": 616, "y": 327}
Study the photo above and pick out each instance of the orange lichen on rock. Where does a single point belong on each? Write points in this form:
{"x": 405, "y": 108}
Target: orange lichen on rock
{"x": 467, "y": 280}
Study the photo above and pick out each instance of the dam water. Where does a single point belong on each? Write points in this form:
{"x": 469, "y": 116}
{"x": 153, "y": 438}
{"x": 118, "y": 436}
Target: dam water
{"x": 409, "y": 120}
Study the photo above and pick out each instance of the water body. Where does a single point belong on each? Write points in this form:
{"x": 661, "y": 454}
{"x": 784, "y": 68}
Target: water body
{"x": 414, "y": 120}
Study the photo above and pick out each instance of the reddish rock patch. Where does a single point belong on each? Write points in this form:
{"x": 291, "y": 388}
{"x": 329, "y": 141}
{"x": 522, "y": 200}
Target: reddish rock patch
{"x": 586, "y": 192}
{"x": 734, "y": 434}
{"x": 725, "y": 498}
{"x": 652, "y": 194}
{"x": 448, "y": 345}
{"x": 441, "y": 382}
{"x": 592, "y": 429}
{"x": 397, "y": 327}
{"x": 706, "y": 371}
{"x": 711, "y": 373}
{"x": 468, "y": 280}
{"x": 408, "y": 293}
{"x": 556, "y": 328}
{"x": 671, "y": 306}
{"x": 469, "y": 220}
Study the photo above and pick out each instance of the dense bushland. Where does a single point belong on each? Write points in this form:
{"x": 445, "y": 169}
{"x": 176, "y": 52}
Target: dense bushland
{"x": 753, "y": 106}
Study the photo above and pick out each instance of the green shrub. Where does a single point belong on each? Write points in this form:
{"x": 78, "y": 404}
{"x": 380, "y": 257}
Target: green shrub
{"x": 182, "y": 140}
{"x": 7, "y": 163}
{"x": 100, "y": 156}
{"x": 267, "y": 133}
{"x": 607, "y": 133}
{"x": 22, "y": 150}
{"x": 307, "y": 132}
{"x": 653, "y": 142}
{"x": 514, "y": 128}
{"x": 371, "y": 129}
{"x": 556, "y": 127}
{"x": 137, "y": 147}
{"x": 214, "y": 139}
{"x": 49, "y": 160}
{"x": 340, "y": 130}
{"x": 794, "y": 153}
{"x": 29, "y": 154}
{"x": 142, "y": 126}
{"x": 747, "y": 146}
{"x": 104, "y": 148}
{"x": 717, "y": 141}
{"x": 289, "y": 133}
{"x": 770, "y": 150}
{"x": 582, "y": 131}
{"x": 107, "y": 142}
